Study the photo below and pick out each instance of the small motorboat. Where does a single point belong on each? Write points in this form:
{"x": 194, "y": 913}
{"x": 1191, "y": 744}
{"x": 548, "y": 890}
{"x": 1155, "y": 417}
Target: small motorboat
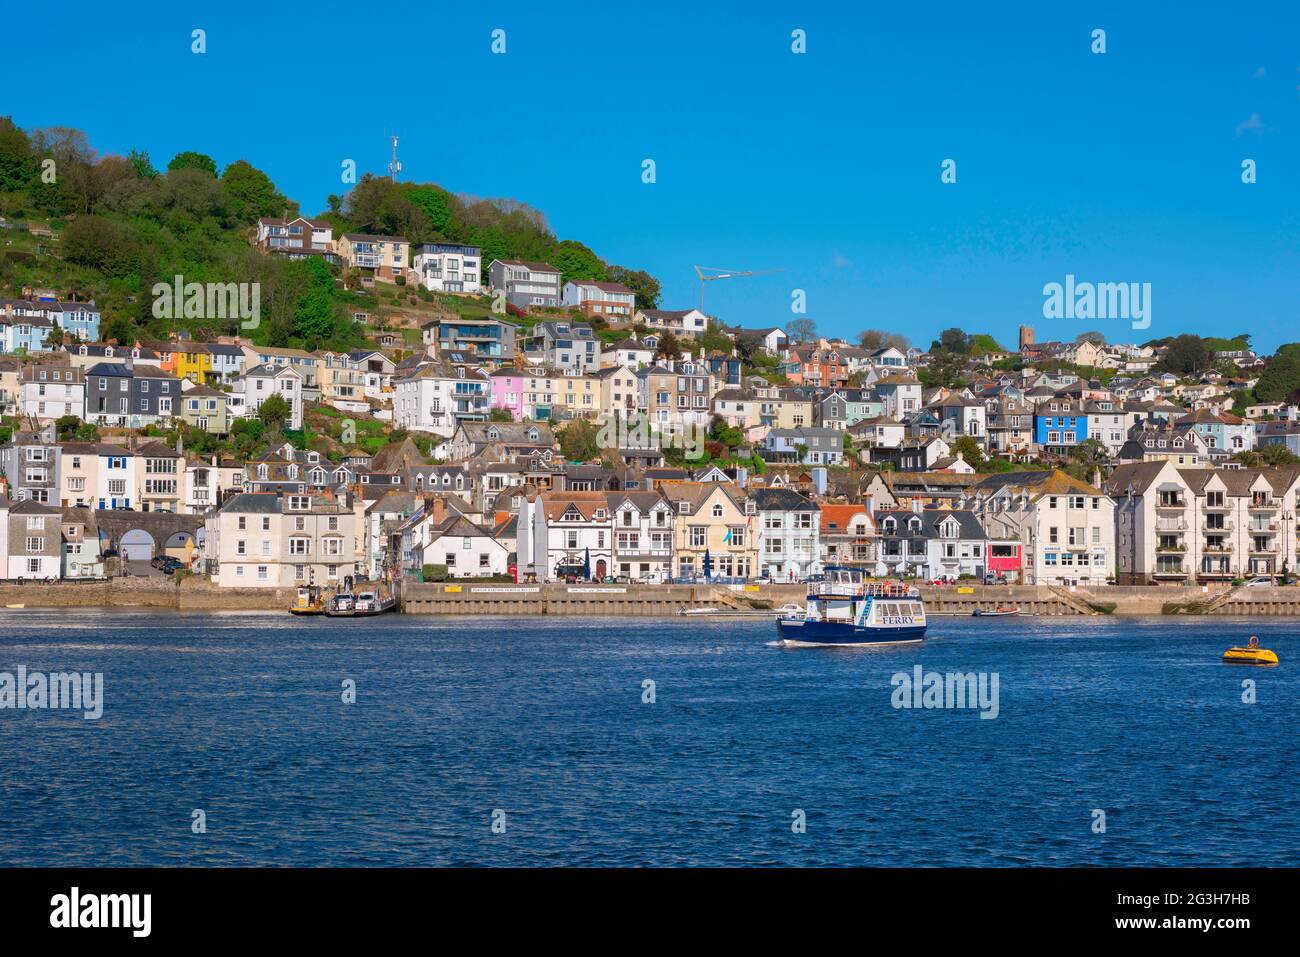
{"x": 1000, "y": 612}
{"x": 698, "y": 611}
{"x": 1250, "y": 656}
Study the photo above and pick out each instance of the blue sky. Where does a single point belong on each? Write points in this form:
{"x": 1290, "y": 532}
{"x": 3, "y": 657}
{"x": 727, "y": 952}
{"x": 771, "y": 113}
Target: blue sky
{"x": 1124, "y": 166}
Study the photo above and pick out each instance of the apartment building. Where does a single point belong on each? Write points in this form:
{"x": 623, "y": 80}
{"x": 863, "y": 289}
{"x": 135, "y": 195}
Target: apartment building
{"x": 1197, "y": 524}
{"x": 438, "y": 396}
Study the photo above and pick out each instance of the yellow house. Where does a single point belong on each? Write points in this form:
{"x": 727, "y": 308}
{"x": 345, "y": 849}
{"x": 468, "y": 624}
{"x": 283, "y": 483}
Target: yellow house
{"x": 714, "y": 519}
{"x": 185, "y": 360}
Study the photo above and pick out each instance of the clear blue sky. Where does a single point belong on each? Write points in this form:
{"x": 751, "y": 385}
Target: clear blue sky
{"x": 1117, "y": 167}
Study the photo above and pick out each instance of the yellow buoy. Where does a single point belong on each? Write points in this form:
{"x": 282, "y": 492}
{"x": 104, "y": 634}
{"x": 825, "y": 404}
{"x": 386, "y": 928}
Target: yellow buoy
{"x": 1250, "y": 656}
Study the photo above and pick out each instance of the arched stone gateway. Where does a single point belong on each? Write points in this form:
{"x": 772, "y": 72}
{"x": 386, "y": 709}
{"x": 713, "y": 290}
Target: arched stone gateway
{"x": 137, "y": 545}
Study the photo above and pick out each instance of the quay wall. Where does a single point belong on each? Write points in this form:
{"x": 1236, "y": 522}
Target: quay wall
{"x": 190, "y": 594}
{"x": 471, "y": 598}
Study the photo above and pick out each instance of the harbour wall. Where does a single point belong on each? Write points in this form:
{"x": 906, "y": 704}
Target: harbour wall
{"x": 189, "y": 594}
{"x": 470, "y": 598}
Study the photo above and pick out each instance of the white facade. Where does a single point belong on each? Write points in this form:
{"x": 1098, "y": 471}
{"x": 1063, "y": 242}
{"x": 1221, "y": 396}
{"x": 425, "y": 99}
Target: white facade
{"x": 262, "y": 382}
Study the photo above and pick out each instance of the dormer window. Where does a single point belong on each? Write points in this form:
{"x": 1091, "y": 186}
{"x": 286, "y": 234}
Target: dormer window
{"x": 684, "y": 508}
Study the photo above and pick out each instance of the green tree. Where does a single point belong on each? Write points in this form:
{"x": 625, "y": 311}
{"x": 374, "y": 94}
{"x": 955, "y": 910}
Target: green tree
{"x": 802, "y": 330}
{"x": 578, "y": 441}
{"x": 1186, "y": 354}
{"x": 192, "y": 160}
{"x": 17, "y": 161}
{"x": 250, "y": 193}
{"x": 970, "y": 450}
{"x": 274, "y": 411}
{"x": 644, "y": 285}
{"x": 873, "y": 339}
{"x": 576, "y": 261}
{"x": 669, "y": 347}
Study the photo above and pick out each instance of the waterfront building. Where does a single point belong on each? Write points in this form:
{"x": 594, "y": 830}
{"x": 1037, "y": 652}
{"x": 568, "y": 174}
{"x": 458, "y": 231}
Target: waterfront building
{"x": 714, "y": 523}
{"x": 789, "y": 533}
{"x": 1200, "y": 524}
{"x": 34, "y": 540}
{"x": 930, "y": 542}
{"x": 568, "y": 533}
{"x": 273, "y": 541}
{"x": 643, "y": 534}
{"x": 1066, "y": 527}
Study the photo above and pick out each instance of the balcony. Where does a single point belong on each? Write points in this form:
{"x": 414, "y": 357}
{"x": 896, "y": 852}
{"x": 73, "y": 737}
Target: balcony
{"x": 1265, "y": 505}
{"x": 1177, "y": 504}
{"x": 1220, "y": 507}
{"x": 1169, "y": 571}
{"x": 1225, "y": 527}
{"x": 1171, "y": 548}
{"x": 1171, "y": 525}
{"x": 1223, "y": 548}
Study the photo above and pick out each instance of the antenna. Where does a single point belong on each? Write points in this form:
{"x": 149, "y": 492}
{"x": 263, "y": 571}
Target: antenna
{"x": 394, "y": 167}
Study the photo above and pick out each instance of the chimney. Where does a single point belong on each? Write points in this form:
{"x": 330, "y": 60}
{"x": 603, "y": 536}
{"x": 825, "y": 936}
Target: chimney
{"x": 438, "y": 510}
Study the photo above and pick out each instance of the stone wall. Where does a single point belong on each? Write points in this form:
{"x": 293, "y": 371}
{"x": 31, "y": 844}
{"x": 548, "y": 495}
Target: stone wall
{"x": 190, "y": 594}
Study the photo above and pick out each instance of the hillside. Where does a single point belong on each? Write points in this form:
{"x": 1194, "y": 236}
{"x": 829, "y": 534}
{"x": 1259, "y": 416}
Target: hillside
{"x": 118, "y": 225}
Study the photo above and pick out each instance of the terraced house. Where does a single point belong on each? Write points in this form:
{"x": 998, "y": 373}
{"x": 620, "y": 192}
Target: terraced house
{"x": 162, "y": 478}
{"x": 125, "y": 395}
{"x": 715, "y": 529}
{"x": 272, "y": 541}
{"x": 643, "y": 535}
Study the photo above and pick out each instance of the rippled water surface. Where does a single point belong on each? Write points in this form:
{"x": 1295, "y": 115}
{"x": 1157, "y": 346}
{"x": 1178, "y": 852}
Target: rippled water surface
{"x": 241, "y": 715}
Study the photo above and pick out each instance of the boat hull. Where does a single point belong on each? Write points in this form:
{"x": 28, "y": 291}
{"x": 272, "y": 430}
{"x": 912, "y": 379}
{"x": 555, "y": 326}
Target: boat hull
{"x": 802, "y": 631}
{"x": 1250, "y": 656}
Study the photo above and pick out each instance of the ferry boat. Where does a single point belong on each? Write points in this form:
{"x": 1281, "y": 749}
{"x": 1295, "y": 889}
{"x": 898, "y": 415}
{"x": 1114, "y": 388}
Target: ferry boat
{"x": 309, "y": 601}
{"x": 848, "y": 610}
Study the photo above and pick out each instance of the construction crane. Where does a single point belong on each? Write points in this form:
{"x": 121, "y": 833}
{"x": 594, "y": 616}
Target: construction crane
{"x": 711, "y": 273}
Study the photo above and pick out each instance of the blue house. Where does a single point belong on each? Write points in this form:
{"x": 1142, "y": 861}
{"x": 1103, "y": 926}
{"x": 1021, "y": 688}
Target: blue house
{"x": 1059, "y": 425}
{"x": 78, "y": 319}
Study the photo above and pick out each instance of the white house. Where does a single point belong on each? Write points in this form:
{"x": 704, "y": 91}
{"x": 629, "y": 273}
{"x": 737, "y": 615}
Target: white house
{"x": 440, "y": 536}
{"x": 261, "y": 382}
{"x": 438, "y": 396}
{"x": 789, "y": 525}
{"x": 569, "y": 534}
{"x": 643, "y": 534}
{"x": 449, "y": 267}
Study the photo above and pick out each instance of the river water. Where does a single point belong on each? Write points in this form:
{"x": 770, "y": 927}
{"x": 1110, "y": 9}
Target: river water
{"x": 748, "y": 753}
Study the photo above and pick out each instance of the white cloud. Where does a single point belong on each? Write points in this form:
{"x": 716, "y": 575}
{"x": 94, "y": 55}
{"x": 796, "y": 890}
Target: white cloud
{"x": 1252, "y": 122}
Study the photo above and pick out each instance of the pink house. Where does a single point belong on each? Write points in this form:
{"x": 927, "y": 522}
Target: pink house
{"x": 508, "y": 392}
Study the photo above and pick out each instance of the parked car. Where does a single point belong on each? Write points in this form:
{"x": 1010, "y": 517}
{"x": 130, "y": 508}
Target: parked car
{"x": 158, "y": 561}
{"x": 1262, "y": 581}
{"x": 996, "y": 580}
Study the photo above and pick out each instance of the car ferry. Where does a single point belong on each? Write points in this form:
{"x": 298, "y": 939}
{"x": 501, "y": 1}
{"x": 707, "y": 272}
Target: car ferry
{"x": 848, "y": 610}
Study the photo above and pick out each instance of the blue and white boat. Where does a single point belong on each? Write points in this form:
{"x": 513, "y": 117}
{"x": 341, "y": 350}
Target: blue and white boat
{"x": 847, "y": 610}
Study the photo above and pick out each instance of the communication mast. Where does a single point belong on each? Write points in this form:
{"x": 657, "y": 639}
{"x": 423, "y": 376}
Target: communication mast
{"x": 394, "y": 167}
